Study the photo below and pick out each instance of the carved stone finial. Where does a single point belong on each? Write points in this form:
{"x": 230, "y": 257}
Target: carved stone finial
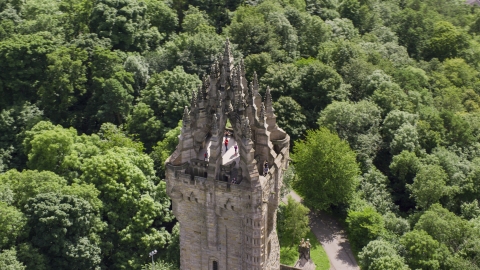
{"x": 193, "y": 102}
{"x": 199, "y": 94}
{"x": 262, "y": 113}
{"x": 239, "y": 75}
{"x": 234, "y": 78}
{"x": 227, "y": 47}
{"x": 212, "y": 71}
{"x": 255, "y": 84}
{"x": 242, "y": 68}
{"x": 268, "y": 101}
{"x": 186, "y": 117}
{"x": 247, "y": 133}
{"x": 205, "y": 86}
{"x": 215, "y": 124}
{"x": 223, "y": 77}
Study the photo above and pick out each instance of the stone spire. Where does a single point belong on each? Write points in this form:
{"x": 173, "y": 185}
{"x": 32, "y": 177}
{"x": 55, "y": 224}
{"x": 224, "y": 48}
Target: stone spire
{"x": 268, "y": 102}
{"x": 193, "y": 102}
{"x": 228, "y": 58}
{"x": 240, "y": 77}
{"x": 214, "y": 124}
{"x": 223, "y": 77}
{"x": 234, "y": 78}
{"x": 247, "y": 133}
{"x": 255, "y": 84}
{"x": 199, "y": 94}
{"x": 186, "y": 117}
{"x": 262, "y": 113}
{"x": 250, "y": 94}
{"x": 242, "y": 68}
{"x": 213, "y": 70}
{"x": 205, "y": 85}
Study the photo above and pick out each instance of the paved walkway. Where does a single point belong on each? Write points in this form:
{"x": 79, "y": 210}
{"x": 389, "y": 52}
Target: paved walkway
{"x": 333, "y": 239}
{"x": 227, "y": 156}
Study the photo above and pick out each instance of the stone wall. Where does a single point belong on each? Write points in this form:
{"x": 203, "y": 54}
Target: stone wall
{"x": 286, "y": 267}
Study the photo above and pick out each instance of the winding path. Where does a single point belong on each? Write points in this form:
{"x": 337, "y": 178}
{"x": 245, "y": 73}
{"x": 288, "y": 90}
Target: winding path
{"x": 333, "y": 239}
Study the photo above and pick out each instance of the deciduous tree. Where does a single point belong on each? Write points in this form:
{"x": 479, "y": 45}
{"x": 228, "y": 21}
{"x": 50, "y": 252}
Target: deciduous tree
{"x": 324, "y": 162}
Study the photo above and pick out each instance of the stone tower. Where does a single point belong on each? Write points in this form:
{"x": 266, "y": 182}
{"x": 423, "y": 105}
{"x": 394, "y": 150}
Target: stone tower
{"x": 226, "y": 204}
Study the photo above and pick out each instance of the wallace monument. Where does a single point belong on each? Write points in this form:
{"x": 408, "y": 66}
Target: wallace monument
{"x": 225, "y": 175}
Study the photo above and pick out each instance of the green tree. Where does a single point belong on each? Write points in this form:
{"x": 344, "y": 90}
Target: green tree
{"x": 14, "y": 122}
{"x": 250, "y": 31}
{"x": 8, "y": 260}
{"x": 162, "y": 16}
{"x": 134, "y": 208}
{"x": 422, "y": 251}
{"x": 12, "y": 223}
{"x": 28, "y": 184}
{"x": 62, "y": 227}
{"x": 446, "y": 41}
{"x": 196, "y": 21}
{"x": 48, "y": 149}
{"x": 112, "y": 88}
{"x": 125, "y": 23}
{"x": 428, "y": 186}
{"x": 31, "y": 257}
{"x": 23, "y": 59}
{"x": 142, "y": 122}
{"x": 138, "y": 66}
{"x": 380, "y": 254}
{"x": 194, "y": 52}
{"x": 164, "y": 149}
{"x": 413, "y": 30}
{"x": 374, "y": 189}
{"x": 257, "y": 63}
{"x": 404, "y": 139}
{"x": 290, "y": 117}
{"x": 282, "y": 78}
{"x": 327, "y": 163}
{"x": 293, "y": 222}
{"x": 317, "y": 84}
{"x": 446, "y": 228}
{"x": 308, "y": 43}
{"x": 457, "y": 130}
{"x": 167, "y": 93}
{"x": 364, "y": 226}
{"x": 394, "y": 120}
{"x": 357, "y": 123}
{"x": 65, "y": 84}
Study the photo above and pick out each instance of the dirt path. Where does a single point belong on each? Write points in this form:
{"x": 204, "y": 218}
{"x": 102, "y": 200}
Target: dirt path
{"x": 333, "y": 239}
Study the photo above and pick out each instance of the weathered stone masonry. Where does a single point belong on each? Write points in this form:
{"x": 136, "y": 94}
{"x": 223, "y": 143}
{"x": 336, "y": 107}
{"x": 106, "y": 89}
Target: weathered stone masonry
{"x": 223, "y": 225}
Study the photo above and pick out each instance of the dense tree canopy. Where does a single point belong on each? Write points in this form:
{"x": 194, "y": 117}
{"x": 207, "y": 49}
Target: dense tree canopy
{"x": 91, "y": 94}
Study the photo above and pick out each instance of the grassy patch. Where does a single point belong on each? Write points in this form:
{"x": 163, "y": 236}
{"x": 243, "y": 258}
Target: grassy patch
{"x": 288, "y": 255}
{"x": 317, "y": 254}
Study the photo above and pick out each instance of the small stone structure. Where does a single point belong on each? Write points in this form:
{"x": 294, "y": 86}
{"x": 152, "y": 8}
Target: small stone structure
{"x": 225, "y": 225}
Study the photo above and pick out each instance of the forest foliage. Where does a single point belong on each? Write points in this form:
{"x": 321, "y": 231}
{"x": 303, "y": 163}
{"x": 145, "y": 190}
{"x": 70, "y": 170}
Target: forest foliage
{"x": 92, "y": 91}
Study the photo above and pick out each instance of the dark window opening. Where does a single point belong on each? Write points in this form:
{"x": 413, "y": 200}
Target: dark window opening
{"x": 215, "y": 265}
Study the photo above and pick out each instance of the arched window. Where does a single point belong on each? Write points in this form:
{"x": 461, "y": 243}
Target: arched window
{"x": 215, "y": 265}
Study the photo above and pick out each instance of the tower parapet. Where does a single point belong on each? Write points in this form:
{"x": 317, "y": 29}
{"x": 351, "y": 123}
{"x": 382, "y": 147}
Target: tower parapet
{"x": 226, "y": 201}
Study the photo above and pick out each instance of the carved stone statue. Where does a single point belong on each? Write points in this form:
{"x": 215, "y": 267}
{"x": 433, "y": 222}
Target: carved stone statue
{"x": 304, "y": 249}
